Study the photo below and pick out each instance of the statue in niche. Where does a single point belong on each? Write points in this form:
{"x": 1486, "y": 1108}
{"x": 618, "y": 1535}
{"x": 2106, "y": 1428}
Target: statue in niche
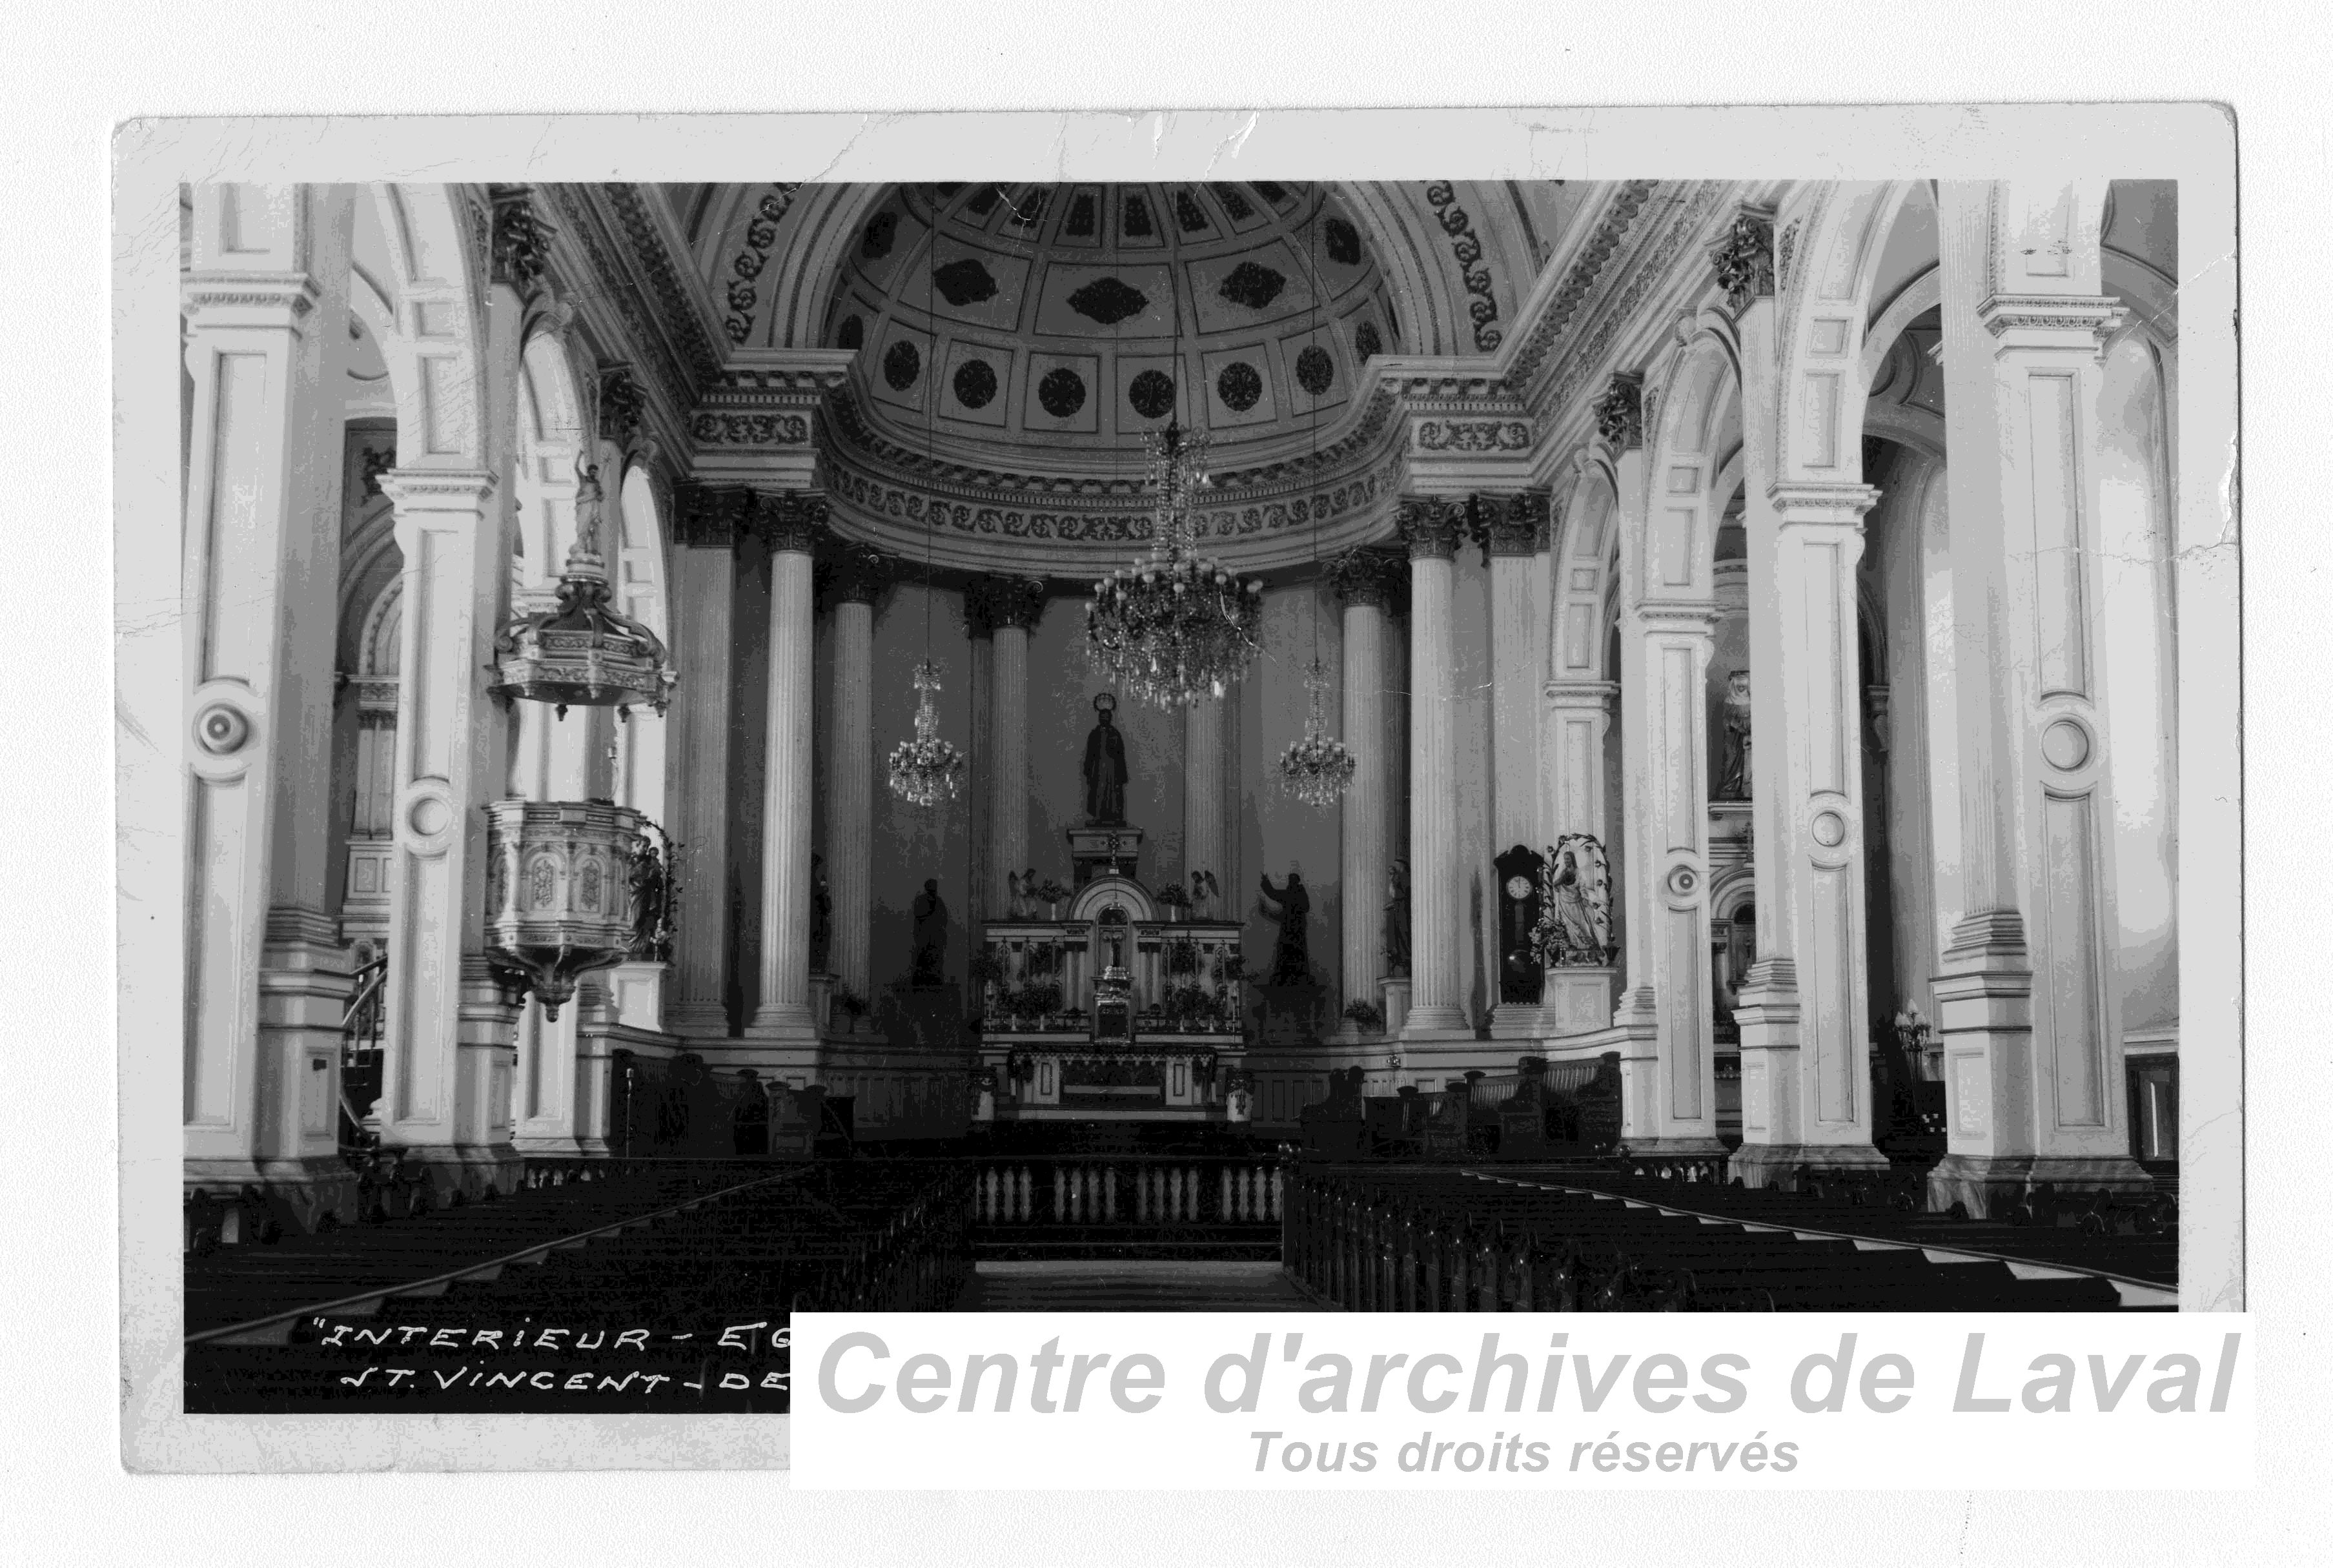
{"x": 822, "y": 916}
{"x": 1733, "y": 773}
{"x": 1396, "y": 922}
{"x": 1575, "y": 917}
{"x": 1105, "y": 769}
{"x": 930, "y": 914}
{"x": 1291, "y": 959}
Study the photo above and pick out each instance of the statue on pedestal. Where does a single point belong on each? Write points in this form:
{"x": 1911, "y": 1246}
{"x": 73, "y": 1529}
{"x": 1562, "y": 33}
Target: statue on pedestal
{"x": 1396, "y": 922}
{"x": 1734, "y": 775}
{"x": 930, "y": 914}
{"x": 1291, "y": 959}
{"x": 1104, "y": 765}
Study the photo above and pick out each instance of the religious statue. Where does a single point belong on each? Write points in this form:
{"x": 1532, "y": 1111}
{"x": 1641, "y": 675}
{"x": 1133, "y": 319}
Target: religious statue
{"x": 1733, "y": 774}
{"x": 1396, "y": 922}
{"x": 1574, "y": 925}
{"x": 1205, "y": 890}
{"x": 1016, "y": 895}
{"x": 822, "y": 916}
{"x": 1291, "y": 962}
{"x": 1105, "y": 769}
{"x": 930, "y": 915}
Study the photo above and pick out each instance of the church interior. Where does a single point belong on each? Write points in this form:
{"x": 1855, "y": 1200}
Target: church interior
{"x": 1265, "y": 744}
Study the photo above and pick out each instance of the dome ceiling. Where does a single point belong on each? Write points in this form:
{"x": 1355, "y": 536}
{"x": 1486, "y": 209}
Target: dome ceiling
{"x": 1055, "y": 325}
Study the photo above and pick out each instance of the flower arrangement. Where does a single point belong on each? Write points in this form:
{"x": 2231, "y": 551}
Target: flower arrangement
{"x": 1365, "y": 1014}
{"x": 987, "y": 966}
{"x": 1183, "y": 957}
{"x": 1053, "y": 892}
{"x": 1231, "y": 969}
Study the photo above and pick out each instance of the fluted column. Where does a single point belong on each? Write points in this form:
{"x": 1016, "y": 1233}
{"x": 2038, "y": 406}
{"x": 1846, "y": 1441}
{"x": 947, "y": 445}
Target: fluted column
{"x": 860, "y": 576}
{"x": 704, "y": 574}
{"x": 1366, "y": 582}
{"x": 1430, "y": 527}
{"x": 1007, "y": 608}
{"x": 791, "y": 526}
{"x": 1513, "y": 531}
{"x": 2034, "y": 1073}
{"x": 1205, "y": 845}
{"x": 265, "y": 978}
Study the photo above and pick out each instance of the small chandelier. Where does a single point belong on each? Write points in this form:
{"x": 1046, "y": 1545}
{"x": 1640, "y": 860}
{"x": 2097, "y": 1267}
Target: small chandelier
{"x": 1174, "y": 628}
{"x": 1318, "y": 769}
{"x": 583, "y": 650}
{"x": 926, "y": 770}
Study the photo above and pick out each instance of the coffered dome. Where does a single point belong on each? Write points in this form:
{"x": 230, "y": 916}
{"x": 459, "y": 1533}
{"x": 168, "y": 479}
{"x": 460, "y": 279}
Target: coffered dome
{"x": 1055, "y": 325}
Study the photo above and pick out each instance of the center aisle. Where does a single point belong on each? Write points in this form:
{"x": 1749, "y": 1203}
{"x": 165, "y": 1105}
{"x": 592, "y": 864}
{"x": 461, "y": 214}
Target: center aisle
{"x": 1129, "y": 1284}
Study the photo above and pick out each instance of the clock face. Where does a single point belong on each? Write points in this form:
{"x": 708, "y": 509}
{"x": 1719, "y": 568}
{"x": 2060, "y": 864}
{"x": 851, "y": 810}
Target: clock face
{"x": 1519, "y": 888}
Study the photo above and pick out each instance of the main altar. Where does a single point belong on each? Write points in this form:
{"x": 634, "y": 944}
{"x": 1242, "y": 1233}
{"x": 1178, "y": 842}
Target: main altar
{"x": 1120, "y": 1003}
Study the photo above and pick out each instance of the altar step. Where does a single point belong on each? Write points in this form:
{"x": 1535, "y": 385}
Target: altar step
{"x": 1238, "y": 1243}
{"x": 1130, "y": 1284}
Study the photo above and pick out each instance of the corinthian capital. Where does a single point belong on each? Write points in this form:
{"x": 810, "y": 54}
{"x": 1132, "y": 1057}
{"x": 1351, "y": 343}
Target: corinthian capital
{"x": 1431, "y": 525}
{"x": 1744, "y": 260}
{"x": 1620, "y": 411}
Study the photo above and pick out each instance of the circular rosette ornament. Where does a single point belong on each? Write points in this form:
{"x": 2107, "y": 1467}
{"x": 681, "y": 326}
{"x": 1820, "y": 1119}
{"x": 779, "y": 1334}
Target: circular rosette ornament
{"x": 926, "y": 770}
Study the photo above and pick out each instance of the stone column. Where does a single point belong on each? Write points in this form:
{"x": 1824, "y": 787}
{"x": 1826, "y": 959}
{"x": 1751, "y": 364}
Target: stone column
{"x": 1206, "y": 847}
{"x": 1804, "y": 1005}
{"x": 1513, "y": 531}
{"x": 1430, "y": 527}
{"x": 1668, "y": 1085}
{"x": 266, "y": 977}
{"x": 2026, "y": 1006}
{"x": 860, "y": 577}
{"x": 697, "y": 761}
{"x": 1366, "y": 582}
{"x": 791, "y": 526}
{"x": 1007, "y": 608}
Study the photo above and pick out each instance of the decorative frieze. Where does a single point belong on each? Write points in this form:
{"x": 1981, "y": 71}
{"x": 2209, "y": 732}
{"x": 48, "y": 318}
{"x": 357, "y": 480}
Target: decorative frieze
{"x": 994, "y": 603}
{"x": 1466, "y": 249}
{"x": 741, "y": 295}
{"x": 1473, "y": 435}
{"x": 712, "y": 429}
{"x": 1431, "y": 526}
{"x": 1587, "y": 269}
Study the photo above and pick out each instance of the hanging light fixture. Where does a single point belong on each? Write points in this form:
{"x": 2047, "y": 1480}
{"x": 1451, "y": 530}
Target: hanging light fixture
{"x": 1176, "y": 627}
{"x": 1318, "y": 769}
{"x": 928, "y": 770}
{"x": 583, "y": 650}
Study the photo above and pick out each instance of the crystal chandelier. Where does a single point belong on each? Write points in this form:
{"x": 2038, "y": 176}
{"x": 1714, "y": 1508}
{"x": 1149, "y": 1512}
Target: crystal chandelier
{"x": 583, "y": 650}
{"x": 1174, "y": 627}
{"x": 926, "y": 770}
{"x": 1318, "y": 769}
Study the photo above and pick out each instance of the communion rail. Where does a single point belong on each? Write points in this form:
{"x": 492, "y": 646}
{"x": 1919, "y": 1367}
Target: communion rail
{"x": 1218, "y": 1206}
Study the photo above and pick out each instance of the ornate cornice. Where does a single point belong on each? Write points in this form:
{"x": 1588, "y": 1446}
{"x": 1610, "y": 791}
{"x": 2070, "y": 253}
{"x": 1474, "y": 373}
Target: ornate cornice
{"x": 1620, "y": 411}
{"x": 2096, "y": 317}
{"x": 294, "y": 293}
{"x": 612, "y": 282}
{"x": 1744, "y": 260}
{"x": 1431, "y": 526}
{"x": 993, "y": 604}
{"x": 1473, "y": 435}
{"x": 1822, "y": 501}
{"x": 675, "y": 300}
{"x": 1580, "y": 278}
{"x": 1645, "y": 272}
{"x": 1372, "y": 574}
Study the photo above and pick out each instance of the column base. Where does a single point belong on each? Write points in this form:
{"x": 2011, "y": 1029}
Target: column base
{"x": 1435, "y": 1021}
{"x": 548, "y": 1146}
{"x": 466, "y": 1170}
{"x": 2028, "y": 1186}
{"x": 1518, "y": 1020}
{"x": 698, "y": 1020}
{"x": 1687, "y": 1147}
{"x": 1775, "y": 1164}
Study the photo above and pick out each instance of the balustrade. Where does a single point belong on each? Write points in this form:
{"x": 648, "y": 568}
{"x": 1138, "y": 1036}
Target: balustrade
{"x": 1132, "y": 1193}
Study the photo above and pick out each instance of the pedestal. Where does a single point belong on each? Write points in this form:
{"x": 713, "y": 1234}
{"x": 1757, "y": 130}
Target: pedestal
{"x": 1397, "y": 1004}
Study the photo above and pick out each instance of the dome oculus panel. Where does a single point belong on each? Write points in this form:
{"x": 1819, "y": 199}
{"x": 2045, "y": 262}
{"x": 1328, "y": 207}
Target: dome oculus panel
{"x": 1151, "y": 394}
{"x": 875, "y": 240}
{"x": 851, "y": 334}
{"x": 1237, "y": 384}
{"x": 1251, "y": 284}
{"x": 963, "y": 282}
{"x": 1109, "y": 301}
{"x": 1341, "y": 242}
{"x": 1315, "y": 369}
{"x": 1061, "y": 392}
{"x": 974, "y": 383}
{"x": 1367, "y": 345}
{"x": 901, "y": 365}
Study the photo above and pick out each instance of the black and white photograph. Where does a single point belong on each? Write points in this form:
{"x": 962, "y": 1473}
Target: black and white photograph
{"x": 979, "y": 802}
